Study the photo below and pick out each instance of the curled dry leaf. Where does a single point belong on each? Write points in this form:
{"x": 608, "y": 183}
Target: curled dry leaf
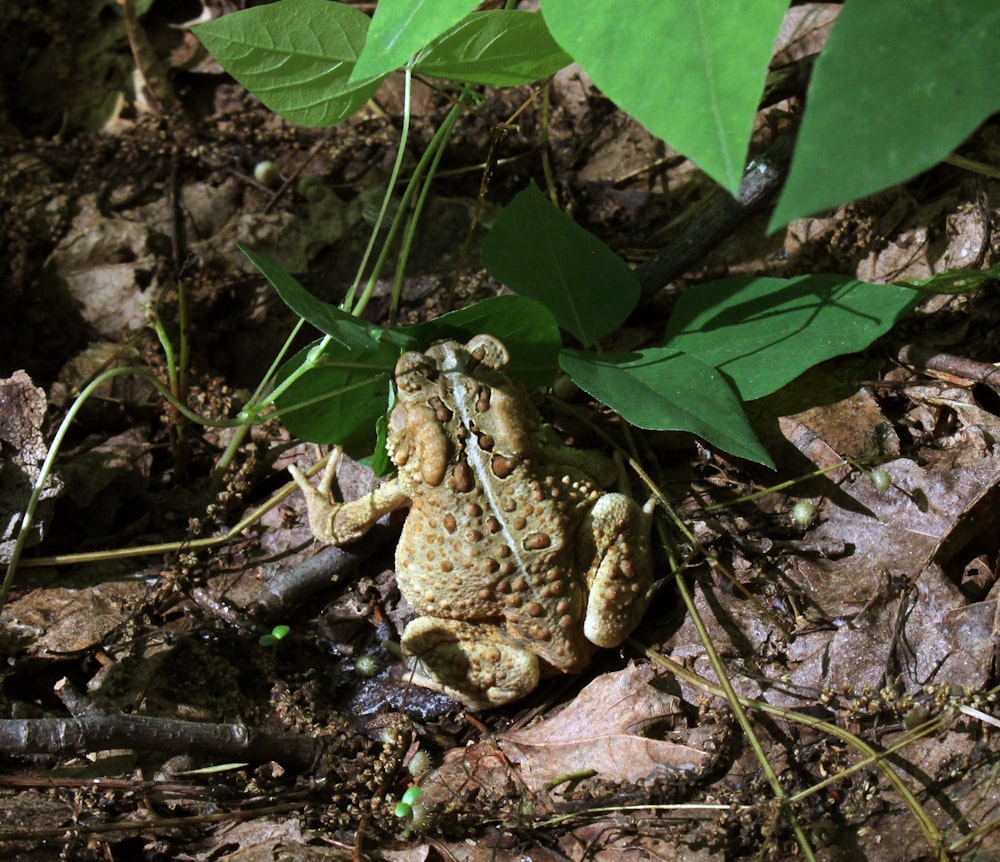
{"x": 602, "y": 730}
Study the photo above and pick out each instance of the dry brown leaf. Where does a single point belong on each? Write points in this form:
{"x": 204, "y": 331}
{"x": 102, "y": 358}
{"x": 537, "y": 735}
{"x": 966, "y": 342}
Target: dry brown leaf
{"x": 22, "y": 451}
{"x": 54, "y": 622}
{"x": 601, "y": 730}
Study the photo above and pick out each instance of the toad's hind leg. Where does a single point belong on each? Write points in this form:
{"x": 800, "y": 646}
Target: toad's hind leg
{"x": 617, "y": 532}
{"x": 480, "y": 666}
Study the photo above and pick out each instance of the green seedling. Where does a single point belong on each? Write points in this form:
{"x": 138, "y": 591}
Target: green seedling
{"x": 277, "y": 633}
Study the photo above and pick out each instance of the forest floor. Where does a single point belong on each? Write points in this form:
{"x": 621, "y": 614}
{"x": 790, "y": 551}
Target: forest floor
{"x": 859, "y": 639}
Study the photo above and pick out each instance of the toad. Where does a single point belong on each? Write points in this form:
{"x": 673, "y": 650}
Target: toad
{"x": 515, "y": 559}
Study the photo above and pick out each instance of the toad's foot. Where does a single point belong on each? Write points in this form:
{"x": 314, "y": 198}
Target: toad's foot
{"x": 339, "y": 523}
{"x": 480, "y": 666}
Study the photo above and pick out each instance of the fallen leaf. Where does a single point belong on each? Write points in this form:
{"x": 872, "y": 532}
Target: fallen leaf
{"x": 22, "y": 451}
{"x": 602, "y": 730}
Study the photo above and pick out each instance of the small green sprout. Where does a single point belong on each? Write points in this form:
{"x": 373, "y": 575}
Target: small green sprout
{"x": 277, "y": 633}
{"x": 404, "y": 808}
{"x": 411, "y": 809}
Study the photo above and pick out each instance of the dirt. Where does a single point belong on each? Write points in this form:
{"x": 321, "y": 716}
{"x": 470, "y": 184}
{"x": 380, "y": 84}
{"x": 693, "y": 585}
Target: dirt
{"x": 867, "y": 627}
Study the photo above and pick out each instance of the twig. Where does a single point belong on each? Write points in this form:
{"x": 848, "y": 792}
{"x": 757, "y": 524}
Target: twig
{"x": 72, "y": 736}
{"x": 959, "y": 368}
{"x": 93, "y": 729}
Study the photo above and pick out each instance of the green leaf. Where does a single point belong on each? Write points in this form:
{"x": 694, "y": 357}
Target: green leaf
{"x": 692, "y": 72}
{"x": 897, "y": 88}
{"x": 400, "y": 28}
{"x": 498, "y": 48}
{"x": 296, "y": 56}
{"x": 667, "y": 390}
{"x": 539, "y": 252}
{"x": 349, "y": 331}
{"x": 764, "y": 332}
{"x": 341, "y": 399}
{"x": 526, "y": 327}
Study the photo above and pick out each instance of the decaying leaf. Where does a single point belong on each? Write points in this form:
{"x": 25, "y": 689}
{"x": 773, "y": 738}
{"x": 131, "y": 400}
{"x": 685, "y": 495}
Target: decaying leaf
{"x": 603, "y": 730}
{"x": 22, "y": 451}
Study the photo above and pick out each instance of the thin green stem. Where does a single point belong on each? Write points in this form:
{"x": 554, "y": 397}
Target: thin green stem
{"x": 437, "y": 143}
{"x": 170, "y": 547}
{"x": 261, "y": 399}
{"x": 436, "y": 152}
{"x": 386, "y": 200}
{"x": 742, "y": 718}
{"x": 46, "y": 469}
{"x": 931, "y": 833}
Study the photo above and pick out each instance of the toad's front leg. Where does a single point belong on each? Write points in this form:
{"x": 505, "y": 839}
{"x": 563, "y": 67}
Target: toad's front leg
{"x": 338, "y": 523}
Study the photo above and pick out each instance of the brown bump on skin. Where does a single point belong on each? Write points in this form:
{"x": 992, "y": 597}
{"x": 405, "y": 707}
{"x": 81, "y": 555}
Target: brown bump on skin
{"x": 493, "y": 525}
{"x": 537, "y": 493}
{"x": 506, "y": 567}
{"x": 441, "y": 411}
{"x": 486, "y": 594}
{"x": 627, "y": 569}
{"x": 519, "y": 585}
{"x": 502, "y": 551}
{"x": 519, "y": 523}
{"x": 535, "y": 610}
{"x": 503, "y": 466}
{"x": 473, "y": 510}
{"x": 503, "y": 587}
{"x": 537, "y": 541}
{"x": 491, "y": 566}
{"x": 566, "y": 622}
{"x": 432, "y": 523}
{"x": 562, "y": 607}
{"x": 486, "y": 442}
{"x": 429, "y": 598}
{"x": 450, "y": 524}
{"x": 514, "y": 601}
{"x": 447, "y": 565}
{"x": 473, "y": 536}
{"x": 461, "y": 479}
{"x": 540, "y": 634}
{"x": 483, "y": 399}
{"x": 508, "y": 504}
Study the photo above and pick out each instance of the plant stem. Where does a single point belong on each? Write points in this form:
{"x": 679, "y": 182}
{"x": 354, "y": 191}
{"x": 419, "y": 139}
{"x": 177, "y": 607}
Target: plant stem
{"x": 46, "y": 469}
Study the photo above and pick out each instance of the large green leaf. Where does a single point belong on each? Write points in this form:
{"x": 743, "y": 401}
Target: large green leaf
{"x": 296, "y": 56}
{"x": 691, "y": 72}
{"x": 538, "y": 251}
{"x": 341, "y": 398}
{"x": 524, "y": 325}
{"x": 764, "y": 332}
{"x": 498, "y": 48}
{"x": 897, "y": 88}
{"x": 667, "y": 390}
{"x": 400, "y": 28}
